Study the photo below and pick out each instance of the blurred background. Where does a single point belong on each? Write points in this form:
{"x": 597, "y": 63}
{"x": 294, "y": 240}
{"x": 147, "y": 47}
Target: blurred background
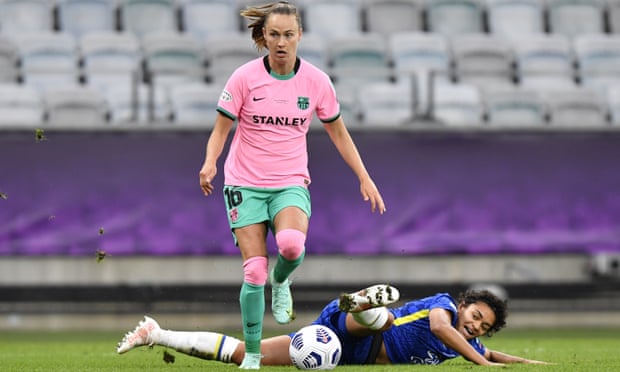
{"x": 490, "y": 127}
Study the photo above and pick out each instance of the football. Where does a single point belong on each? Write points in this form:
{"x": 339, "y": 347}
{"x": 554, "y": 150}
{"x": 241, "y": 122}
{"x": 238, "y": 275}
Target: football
{"x": 315, "y": 347}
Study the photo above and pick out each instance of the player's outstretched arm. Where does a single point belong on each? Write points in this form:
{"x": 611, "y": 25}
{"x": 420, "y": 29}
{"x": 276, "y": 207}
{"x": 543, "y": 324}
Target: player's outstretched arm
{"x": 341, "y": 138}
{"x": 441, "y": 326}
{"x": 215, "y": 146}
{"x": 499, "y": 357}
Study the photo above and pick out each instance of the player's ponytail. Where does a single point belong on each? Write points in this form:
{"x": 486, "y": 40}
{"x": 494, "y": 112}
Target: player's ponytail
{"x": 257, "y": 15}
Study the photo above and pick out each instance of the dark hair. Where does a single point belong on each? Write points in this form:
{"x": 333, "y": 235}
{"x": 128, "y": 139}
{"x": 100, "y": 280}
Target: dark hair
{"x": 497, "y": 305}
{"x": 258, "y": 17}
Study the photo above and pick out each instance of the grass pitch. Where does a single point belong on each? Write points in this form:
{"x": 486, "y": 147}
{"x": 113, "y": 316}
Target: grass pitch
{"x": 571, "y": 350}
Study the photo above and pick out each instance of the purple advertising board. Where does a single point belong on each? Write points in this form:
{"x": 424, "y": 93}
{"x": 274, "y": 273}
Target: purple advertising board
{"x": 137, "y": 193}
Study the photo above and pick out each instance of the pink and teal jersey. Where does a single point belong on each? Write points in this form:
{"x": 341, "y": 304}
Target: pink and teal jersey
{"x": 274, "y": 113}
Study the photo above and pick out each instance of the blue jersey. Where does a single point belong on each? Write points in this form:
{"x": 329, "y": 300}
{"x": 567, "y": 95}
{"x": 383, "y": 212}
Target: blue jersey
{"x": 408, "y": 341}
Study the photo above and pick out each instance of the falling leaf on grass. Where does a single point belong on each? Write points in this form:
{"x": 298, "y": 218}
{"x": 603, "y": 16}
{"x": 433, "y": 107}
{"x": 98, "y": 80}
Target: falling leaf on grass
{"x": 168, "y": 358}
{"x": 101, "y": 255}
{"x": 39, "y": 135}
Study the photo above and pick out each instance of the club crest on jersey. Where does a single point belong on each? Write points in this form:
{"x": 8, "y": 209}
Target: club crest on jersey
{"x": 226, "y": 96}
{"x": 303, "y": 103}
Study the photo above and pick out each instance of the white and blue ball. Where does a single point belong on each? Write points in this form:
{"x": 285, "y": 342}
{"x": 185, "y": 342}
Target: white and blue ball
{"x": 315, "y": 347}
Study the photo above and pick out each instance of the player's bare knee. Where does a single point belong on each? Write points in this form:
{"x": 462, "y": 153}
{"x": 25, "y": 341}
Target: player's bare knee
{"x": 290, "y": 243}
{"x": 255, "y": 270}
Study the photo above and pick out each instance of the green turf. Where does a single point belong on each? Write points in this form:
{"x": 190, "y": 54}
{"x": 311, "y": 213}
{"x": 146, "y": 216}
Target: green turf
{"x": 572, "y": 350}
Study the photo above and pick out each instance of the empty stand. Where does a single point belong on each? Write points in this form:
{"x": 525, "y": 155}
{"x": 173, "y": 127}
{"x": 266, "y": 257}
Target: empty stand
{"x": 386, "y": 17}
{"x": 137, "y": 105}
{"x": 9, "y": 57}
{"x": 226, "y": 53}
{"x": 483, "y": 59}
{"x": 313, "y": 49}
{"x": 452, "y": 17}
{"x": 421, "y": 57}
{"x": 515, "y": 107}
{"x": 143, "y": 16}
{"x": 48, "y": 59}
{"x": 543, "y": 60}
{"x": 332, "y": 18}
{"x": 79, "y": 17}
{"x": 571, "y": 18}
{"x": 612, "y": 100}
{"x": 205, "y": 18}
{"x": 598, "y": 60}
{"x": 77, "y": 106}
{"x": 576, "y": 107}
{"x": 20, "y": 106}
{"x": 194, "y": 103}
{"x": 511, "y": 18}
{"x": 19, "y": 16}
{"x": 457, "y": 104}
{"x": 172, "y": 57}
{"x": 110, "y": 59}
{"x": 386, "y": 105}
{"x": 359, "y": 59}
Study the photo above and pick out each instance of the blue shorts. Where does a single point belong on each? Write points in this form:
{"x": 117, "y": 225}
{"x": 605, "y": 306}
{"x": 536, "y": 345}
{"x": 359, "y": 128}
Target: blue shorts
{"x": 355, "y": 350}
{"x": 251, "y": 205}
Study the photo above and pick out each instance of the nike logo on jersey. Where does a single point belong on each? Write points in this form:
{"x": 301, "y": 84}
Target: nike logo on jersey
{"x": 256, "y": 99}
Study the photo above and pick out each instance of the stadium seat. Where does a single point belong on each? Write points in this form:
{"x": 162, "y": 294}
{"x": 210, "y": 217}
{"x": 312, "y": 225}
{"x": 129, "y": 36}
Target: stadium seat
{"x": 386, "y": 105}
{"x": 79, "y": 17}
{"x": 423, "y": 58}
{"x": 457, "y": 105}
{"x": 48, "y": 59}
{"x": 20, "y": 106}
{"x": 9, "y": 58}
{"x": 77, "y": 106}
{"x": 143, "y": 16}
{"x": 482, "y": 59}
{"x": 598, "y": 60}
{"x": 511, "y": 18}
{"x": 571, "y": 18}
{"x": 359, "y": 59}
{"x": 194, "y": 104}
{"x": 19, "y": 16}
{"x": 576, "y": 107}
{"x": 514, "y": 107}
{"x": 613, "y": 15}
{"x": 110, "y": 58}
{"x": 386, "y": 17}
{"x": 313, "y": 49}
{"x": 226, "y": 53}
{"x": 205, "y": 18}
{"x": 542, "y": 60}
{"x": 453, "y": 17}
{"x": 139, "y": 105}
{"x": 332, "y": 18}
{"x": 349, "y": 105}
{"x": 172, "y": 57}
{"x": 612, "y": 100}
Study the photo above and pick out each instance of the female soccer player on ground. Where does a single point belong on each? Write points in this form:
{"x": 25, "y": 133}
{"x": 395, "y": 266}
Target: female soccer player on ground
{"x": 266, "y": 176}
{"x": 425, "y": 331}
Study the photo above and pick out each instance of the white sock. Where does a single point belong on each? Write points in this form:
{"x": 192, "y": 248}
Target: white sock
{"x": 372, "y": 318}
{"x": 205, "y": 345}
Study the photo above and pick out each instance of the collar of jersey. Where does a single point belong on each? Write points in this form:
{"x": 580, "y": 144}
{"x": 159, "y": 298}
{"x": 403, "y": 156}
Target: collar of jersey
{"x": 278, "y": 76}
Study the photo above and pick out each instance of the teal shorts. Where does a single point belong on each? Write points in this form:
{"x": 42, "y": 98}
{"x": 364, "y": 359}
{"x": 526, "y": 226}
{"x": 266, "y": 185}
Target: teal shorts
{"x": 251, "y": 205}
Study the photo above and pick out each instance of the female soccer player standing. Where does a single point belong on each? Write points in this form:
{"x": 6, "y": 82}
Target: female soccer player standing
{"x": 266, "y": 173}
